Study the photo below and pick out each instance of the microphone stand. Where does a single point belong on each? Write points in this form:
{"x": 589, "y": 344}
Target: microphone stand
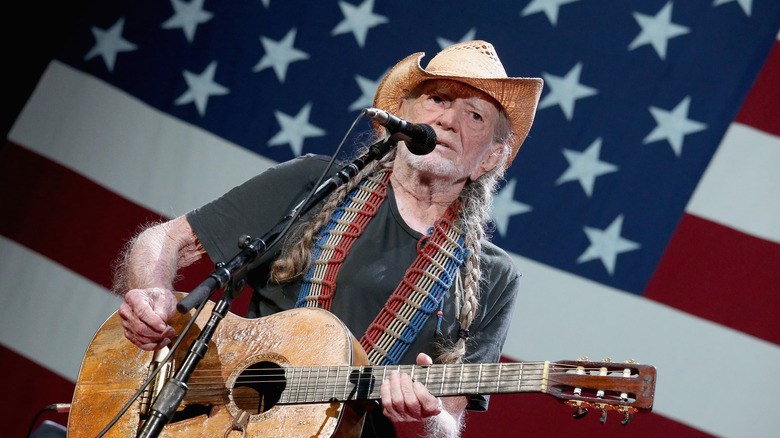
{"x": 232, "y": 275}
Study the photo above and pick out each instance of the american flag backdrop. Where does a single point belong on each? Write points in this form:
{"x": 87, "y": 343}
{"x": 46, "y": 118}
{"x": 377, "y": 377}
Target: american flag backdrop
{"x": 643, "y": 209}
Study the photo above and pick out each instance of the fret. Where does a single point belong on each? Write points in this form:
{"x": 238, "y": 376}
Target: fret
{"x": 376, "y": 390}
{"x": 307, "y": 386}
{"x": 293, "y": 395}
{"x": 325, "y": 386}
{"x": 300, "y": 380}
{"x": 427, "y": 374}
{"x": 520, "y": 377}
{"x": 479, "y": 377}
{"x": 336, "y": 382}
{"x": 460, "y": 380}
{"x": 498, "y": 380}
{"x": 346, "y": 384}
{"x": 443, "y": 378}
{"x": 285, "y": 398}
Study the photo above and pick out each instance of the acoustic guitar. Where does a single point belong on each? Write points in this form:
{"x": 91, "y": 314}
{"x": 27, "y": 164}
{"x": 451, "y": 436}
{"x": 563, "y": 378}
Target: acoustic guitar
{"x": 300, "y": 373}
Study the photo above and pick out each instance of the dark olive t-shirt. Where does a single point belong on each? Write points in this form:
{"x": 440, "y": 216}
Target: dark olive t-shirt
{"x": 372, "y": 270}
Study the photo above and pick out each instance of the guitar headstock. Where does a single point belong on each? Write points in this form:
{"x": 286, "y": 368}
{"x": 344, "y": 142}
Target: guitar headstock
{"x": 625, "y": 388}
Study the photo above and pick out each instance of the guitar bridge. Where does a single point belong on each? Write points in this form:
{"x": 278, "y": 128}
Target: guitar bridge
{"x": 154, "y": 388}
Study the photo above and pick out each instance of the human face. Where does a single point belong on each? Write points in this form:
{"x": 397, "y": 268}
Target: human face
{"x": 464, "y": 119}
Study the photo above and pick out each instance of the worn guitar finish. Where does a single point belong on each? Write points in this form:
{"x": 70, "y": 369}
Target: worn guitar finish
{"x": 301, "y": 373}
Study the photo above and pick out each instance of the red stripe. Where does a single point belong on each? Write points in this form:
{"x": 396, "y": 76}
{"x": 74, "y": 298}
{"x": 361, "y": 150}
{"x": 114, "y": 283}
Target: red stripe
{"x": 723, "y": 275}
{"x": 28, "y": 389}
{"x": 74, "y": 221}
{"x": 64, "y": 216}
{"x": 762, "y": 105}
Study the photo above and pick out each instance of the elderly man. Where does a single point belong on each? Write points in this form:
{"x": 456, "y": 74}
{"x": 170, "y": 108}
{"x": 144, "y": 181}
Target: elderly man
{"x": 407, "y": 214}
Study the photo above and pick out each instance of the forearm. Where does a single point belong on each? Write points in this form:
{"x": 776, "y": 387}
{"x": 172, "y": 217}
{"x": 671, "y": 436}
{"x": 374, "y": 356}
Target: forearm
{"x": 154, "y": 257}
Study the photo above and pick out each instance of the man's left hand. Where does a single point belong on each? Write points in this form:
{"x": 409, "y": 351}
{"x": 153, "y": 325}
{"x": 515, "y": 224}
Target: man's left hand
{"x": 409, "y": 404}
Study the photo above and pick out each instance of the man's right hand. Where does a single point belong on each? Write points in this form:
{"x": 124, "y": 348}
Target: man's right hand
{"x": 145, "y": 313}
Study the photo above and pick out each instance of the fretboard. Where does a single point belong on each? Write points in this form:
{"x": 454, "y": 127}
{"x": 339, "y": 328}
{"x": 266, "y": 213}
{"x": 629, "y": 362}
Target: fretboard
{"x": 326, "y": 384}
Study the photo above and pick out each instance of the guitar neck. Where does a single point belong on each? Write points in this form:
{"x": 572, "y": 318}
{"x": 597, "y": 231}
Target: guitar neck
{"x": 347, "y": 383}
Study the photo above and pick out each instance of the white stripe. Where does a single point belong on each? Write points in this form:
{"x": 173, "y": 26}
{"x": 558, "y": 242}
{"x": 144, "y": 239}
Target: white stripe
{"x": 49, "y": 314}
{"x": 143, "y": 154}
{"x": 740, "y": 186}
{"x": 710, "y": 377}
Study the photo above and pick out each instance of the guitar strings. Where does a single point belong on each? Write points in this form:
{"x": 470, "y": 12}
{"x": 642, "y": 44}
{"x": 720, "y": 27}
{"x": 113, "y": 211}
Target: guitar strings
{"x": 317, "y": 383}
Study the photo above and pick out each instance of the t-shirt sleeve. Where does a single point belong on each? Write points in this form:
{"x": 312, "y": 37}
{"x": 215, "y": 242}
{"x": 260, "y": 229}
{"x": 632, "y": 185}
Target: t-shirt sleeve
{"x": 254, "y": 207}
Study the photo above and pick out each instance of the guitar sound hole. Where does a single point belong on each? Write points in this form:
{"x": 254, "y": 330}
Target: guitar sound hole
{"x": 258, "y": 387}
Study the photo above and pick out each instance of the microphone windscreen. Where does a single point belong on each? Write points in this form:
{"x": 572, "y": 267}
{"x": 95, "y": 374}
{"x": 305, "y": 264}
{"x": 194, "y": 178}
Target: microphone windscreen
{"x": 427, "y": 144}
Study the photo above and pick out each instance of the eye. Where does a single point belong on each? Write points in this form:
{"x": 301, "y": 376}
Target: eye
{"x": 476, "y": 117}
{"x": 436, "y": 99}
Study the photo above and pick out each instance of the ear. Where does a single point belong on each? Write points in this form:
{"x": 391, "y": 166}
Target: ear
{"x": 488, "y": 162}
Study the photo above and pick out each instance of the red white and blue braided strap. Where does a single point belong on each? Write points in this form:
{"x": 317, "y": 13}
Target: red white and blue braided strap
{"x": 337, "y": 237}
{"x": 439, "y": 255}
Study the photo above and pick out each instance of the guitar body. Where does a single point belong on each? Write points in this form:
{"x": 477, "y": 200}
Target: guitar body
{"x": 113, "y": 369}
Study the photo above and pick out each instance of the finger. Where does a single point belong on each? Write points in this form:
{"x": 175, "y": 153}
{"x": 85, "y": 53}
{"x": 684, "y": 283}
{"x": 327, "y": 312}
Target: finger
{"x": 429, "y": 405}
{"x": 411, "y": 403}
{"x": 424, "y": 359}
{"x": 146, "y": 314}
{"x": 138, "y": 331}
{"x": 386, "y": 397}
{"x": 146, "y": 343}
{"x": 141, "y": 306}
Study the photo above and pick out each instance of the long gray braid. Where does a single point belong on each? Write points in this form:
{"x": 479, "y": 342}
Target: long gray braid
{"x": 476, "y": 199}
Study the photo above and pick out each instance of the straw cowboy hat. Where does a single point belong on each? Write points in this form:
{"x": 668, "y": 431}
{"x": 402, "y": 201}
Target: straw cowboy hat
{"x": 474, "y": 63}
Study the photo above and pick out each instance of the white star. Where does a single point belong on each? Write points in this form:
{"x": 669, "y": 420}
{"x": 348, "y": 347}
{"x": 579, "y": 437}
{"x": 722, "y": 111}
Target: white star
{"x": 549, "y": 7}
{"x": 585, "y": 167}
{"x": 565, "y": 90}
{"x": 187, "y": 16}
{"x": 108, "y": 43}
{"x": 266, "y": 3}
{"x": 657, "y": 30}
{"x": 468, "y": 36}
{"x": 295, "y": 129}
{"x": 673, "y": 125}
{"x": 201, "y": 87}
{"x": 747, "y": 5}
{"x": 504, "y": 206}
{"x": 368, "y": 88}
{"x": 358, "y": 20}
{"x": 280, "y": 54}
{"x": 607, "y": 244}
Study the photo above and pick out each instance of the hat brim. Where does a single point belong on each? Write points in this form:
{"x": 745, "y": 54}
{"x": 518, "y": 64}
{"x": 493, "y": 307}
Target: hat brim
{"x": 517, "y": 96}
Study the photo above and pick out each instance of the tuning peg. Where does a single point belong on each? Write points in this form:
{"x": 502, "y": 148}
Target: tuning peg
{"x": 608, "y": 360}
{"x": 630, "y": 361}
{"x": 603, "y": 418}
{"x": 627, "y": 418}
{"x": 583, "y": 359}
{"x": 580, "y": 413}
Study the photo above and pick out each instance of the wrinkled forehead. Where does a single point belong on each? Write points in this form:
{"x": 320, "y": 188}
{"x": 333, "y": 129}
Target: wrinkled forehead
{"x": 453, "y": 88}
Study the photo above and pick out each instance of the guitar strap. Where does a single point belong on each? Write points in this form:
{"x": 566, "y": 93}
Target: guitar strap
{"x": 440, "y": 254}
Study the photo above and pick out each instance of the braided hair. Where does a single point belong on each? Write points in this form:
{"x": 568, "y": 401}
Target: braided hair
{"x": 476, "y": 200}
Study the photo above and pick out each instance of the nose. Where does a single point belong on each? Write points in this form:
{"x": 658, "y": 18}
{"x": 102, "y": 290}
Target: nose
{"x": 448, "y": 119}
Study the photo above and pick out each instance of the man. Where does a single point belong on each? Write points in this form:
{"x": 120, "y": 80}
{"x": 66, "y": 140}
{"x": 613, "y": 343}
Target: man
{"x": 407, "y": 228}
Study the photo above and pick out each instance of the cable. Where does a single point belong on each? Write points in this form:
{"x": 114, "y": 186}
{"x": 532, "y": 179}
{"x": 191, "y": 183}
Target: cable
{"x": 146, "y": 383}
{"x": 57, "y": 407}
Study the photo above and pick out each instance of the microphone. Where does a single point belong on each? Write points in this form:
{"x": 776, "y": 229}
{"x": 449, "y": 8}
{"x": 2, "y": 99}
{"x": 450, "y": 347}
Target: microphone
{"x": 420, "y": 138}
